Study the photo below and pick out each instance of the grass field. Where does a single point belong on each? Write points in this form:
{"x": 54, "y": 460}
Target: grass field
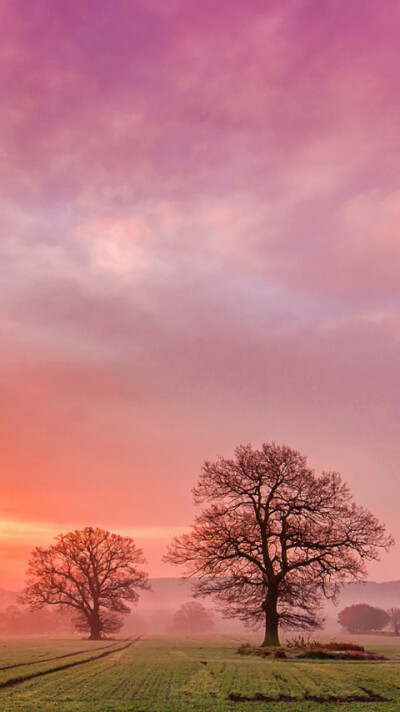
{"x": 178, "y": 674}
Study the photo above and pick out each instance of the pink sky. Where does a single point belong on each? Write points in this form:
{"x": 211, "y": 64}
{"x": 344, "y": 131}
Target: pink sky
{"x": 200, "y": 247}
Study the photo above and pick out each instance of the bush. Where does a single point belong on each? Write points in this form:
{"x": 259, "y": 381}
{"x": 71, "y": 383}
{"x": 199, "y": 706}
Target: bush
{"x": 245, "y": 649}
{"x": 193, "y": 617}
{"x": 302, "y": 648}
{"x": 344, "y": 646}
{"x": 279, "y": 653}
{"x": 362, "y": 618}
{"x": 262, "y": 652}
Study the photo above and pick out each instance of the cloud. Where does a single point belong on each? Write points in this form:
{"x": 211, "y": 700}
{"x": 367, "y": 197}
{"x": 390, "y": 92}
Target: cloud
{"x": 200, "y": 214}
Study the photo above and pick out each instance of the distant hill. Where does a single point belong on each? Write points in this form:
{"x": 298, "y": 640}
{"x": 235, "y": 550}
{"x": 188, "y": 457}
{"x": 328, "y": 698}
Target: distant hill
{"x": 172, "y": 592}
{"x": 383, "y": 594}
{"x": 166, "y": 592}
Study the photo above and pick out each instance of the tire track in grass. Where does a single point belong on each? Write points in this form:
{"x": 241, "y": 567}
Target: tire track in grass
{"x": 59, "y": 668}
{"x": 370, "y": 696}
{"x": 57, "y": 657}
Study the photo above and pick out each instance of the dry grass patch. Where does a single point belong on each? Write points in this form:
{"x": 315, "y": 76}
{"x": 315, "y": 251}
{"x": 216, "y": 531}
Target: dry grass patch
{"x": 306, "y": 649}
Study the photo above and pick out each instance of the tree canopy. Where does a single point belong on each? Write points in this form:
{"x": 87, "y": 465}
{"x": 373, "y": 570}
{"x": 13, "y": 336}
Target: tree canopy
{"x": 193, "y": 617}
{"x": 273, "y": 538}
{"x": 91, "y": 571}
{"x": 363, "y": 618}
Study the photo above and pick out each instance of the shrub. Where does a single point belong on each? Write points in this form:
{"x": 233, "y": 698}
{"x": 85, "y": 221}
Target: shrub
{"x": 362, "y": 618}
{"x": 245, "y": 649}
{"x": 279, "y": 653}
{"x": 344, "y": 646}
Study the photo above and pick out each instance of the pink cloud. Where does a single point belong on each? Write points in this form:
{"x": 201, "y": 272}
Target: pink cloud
{"x": 200, "y": 215}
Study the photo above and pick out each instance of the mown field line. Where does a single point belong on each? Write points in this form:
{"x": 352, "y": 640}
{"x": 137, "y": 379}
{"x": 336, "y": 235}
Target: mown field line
{"x": 56, "y": 657}
{"x": 41, "y": 673}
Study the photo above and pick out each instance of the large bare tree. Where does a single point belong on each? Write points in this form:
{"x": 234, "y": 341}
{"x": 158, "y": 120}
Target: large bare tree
{"x": 92, "y": 572}
{"x": 273, "y": 538}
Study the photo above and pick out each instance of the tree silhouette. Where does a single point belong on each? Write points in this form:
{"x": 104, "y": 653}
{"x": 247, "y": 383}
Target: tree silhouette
{"x": 92, "y": 572}
{"x": 362, "y": 618}
{"x": 273, "y": 538}
{"x": 192, "y": 617}
{"x": 394, "y": 619}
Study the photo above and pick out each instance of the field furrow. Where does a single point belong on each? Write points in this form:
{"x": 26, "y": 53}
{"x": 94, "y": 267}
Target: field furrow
{"x": 8, "y": 677}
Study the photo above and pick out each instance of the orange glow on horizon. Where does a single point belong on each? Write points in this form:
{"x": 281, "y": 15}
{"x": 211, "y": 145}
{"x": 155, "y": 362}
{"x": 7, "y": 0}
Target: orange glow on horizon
{"x": 18, "y": 538}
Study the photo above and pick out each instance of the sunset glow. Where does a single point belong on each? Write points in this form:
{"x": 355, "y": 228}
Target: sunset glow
{"x": 200, "y": 248}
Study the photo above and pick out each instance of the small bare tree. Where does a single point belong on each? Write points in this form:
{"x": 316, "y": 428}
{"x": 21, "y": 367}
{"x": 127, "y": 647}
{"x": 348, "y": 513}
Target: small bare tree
{"x": 394, "y": 619}
{"x": 92, "y": 572}
{"x": 273, "y": 538}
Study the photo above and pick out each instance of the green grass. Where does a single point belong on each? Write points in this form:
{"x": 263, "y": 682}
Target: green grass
{"x": 188, "y": 675}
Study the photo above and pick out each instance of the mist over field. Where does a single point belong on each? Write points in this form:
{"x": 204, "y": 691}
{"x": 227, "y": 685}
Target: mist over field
{"x": 156, "y": 609}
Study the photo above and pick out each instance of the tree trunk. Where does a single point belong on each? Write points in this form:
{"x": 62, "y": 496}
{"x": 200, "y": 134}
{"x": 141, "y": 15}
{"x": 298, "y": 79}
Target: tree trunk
{"x": 271, "y": 621}
{"x": 95, "y": 628}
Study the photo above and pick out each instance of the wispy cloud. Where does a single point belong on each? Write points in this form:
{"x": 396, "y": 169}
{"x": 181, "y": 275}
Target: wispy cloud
{"x": 200, "y": 209}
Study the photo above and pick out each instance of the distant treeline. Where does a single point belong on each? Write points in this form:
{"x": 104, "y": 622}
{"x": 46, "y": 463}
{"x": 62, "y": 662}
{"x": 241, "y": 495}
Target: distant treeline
{"x": 18, "y": 621}
{"x": 190, "y": 617}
